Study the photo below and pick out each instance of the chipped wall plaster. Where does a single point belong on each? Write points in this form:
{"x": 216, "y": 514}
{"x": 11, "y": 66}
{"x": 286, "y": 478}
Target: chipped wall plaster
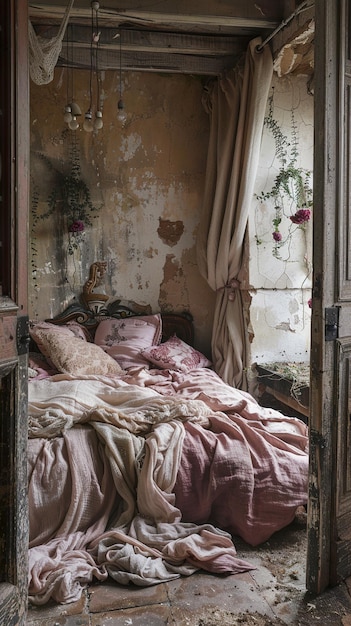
{"x": 147, "y": 177}
{"x": 298, "y": 54}
{"x": 280, "y": 314}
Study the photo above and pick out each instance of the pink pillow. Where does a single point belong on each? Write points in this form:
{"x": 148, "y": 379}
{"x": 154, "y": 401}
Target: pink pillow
{"x": 175, "y": 354}
{"x": 124, "y": 339}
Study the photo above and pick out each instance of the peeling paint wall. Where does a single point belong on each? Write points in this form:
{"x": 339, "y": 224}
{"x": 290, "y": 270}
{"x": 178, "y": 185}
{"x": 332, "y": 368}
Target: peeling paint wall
{"x": 280, "y": 314}
{"x": 146, "y": 177}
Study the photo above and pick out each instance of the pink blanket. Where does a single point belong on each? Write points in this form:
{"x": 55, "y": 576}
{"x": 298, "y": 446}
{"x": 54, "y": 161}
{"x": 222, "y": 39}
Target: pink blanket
{"x": 146, "y": 477}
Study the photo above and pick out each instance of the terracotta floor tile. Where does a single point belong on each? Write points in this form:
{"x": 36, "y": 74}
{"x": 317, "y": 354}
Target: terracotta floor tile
{"x": 272, "y": 594}
{"x": 53, "y": 612}
{"x": 157, "y": 615}
{"x": 111, "y": 596}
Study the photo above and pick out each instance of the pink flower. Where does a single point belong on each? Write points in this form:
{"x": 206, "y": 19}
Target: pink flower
{"x": 76, "y": 227}
{"x": 301, "y": 216}
{"x": 277, "y": 236}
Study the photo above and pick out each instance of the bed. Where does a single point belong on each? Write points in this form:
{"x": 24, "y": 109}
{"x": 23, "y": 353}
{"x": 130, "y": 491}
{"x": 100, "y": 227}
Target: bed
{"x": 143, "y": 464}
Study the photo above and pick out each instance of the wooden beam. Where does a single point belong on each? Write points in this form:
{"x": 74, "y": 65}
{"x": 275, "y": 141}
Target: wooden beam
{"x": 174, "y": 21}
{"x": 150, "y": 62}
{"x": 164, "y": 49}
{"x": 154, "y": 42}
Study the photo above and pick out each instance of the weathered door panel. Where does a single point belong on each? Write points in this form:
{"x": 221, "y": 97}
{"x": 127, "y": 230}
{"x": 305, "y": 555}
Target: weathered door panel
{"x": 341, "y": 529}
{"x": 343, "y": 465}
{"x": 14, "y": 163}
{"x": 329, "y": 516}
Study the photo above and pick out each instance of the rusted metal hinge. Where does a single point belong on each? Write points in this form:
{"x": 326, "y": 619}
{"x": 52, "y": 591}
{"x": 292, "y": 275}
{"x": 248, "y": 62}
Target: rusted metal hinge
{"x": 331, "y": 323}
{"x": 23, "y": 337}
{"x": 317, "y": 439}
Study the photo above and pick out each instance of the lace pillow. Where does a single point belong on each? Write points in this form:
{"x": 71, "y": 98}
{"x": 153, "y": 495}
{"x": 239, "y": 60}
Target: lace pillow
{"x": 175, "y": 354}
{"x": 71, "y": 355}
{"x": 124, "y": 339}
{"x": 38, "y": 330}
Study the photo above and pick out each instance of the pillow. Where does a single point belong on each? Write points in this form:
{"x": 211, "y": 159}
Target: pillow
{"x": 38, "y": 331}
{"x": 78, "y": 330}
{"x": 175, "y": 354}
{"x": 71, "y": 355}
{"x": 124, "y": 339}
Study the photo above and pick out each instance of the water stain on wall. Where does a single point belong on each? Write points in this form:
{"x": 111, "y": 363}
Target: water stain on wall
{"x": 170, "y": 232}
{"x": 147, "y": 180}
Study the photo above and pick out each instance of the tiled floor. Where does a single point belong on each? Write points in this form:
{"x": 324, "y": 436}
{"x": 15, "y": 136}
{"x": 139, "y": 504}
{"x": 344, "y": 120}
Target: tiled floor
{"x": 274, "y": 593}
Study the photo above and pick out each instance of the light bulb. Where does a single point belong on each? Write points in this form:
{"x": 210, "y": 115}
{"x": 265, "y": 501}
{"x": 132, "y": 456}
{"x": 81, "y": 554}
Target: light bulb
{"x": 98, "y": 124}
{"x": 73, "y": 125}
{"x": 88, "y": 124}
{"x": 75, "y": 108}
{"x": 121, "y": 115}
{"x": 68, "y": 114}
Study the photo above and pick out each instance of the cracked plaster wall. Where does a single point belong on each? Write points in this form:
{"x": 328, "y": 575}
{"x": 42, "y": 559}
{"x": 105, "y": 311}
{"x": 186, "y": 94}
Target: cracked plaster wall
{"x": 147, "y": 177}
{"x": 280, "y": 315}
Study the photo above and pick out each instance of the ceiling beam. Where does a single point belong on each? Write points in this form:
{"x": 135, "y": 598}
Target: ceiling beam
{"x": 149, "y": 62}
{"x": 129, "y": 40}
{"x": 168, "y": 21}
{"x": 190, "y": 36}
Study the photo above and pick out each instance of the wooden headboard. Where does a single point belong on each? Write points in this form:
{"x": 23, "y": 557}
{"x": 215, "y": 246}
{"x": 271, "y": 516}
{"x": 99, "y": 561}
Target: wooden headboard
{"x": 180, "y": 324}
{"x": 98, "y": 306}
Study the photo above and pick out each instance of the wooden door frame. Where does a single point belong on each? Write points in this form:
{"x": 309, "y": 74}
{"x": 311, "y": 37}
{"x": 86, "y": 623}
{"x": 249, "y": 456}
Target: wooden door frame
{"x": 327, "y": 171}
{"x": 13, "y": 310}
{"x": 322, "y": 436}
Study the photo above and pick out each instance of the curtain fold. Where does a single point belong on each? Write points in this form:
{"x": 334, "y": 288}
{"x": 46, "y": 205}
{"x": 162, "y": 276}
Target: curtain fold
{"x": 236, "y": 104}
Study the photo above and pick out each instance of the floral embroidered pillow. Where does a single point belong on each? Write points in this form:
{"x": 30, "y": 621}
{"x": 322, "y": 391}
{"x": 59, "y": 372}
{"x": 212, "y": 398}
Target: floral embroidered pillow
{"x": 124, "y": 339}
{"x": 175, "y": 354}
{"x": 71, "y": 355}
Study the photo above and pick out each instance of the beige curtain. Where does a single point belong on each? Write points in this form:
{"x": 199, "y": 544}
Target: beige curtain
{"x": 236, "y": 104}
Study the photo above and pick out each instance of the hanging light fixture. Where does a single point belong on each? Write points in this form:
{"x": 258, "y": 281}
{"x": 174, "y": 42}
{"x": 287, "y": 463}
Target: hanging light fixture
{"x": 68, "y": 114}
{"x": 88, "y": 117}
{"x": 76, "y": 112}
{"x": 72, "y": 110}
{"x": 68, "y": 109}
{"x": 121, "y": 114}
{"x": 98, "y": 123}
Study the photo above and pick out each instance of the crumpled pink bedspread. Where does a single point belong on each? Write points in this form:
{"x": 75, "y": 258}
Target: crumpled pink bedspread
{"x": 146, "y": 476}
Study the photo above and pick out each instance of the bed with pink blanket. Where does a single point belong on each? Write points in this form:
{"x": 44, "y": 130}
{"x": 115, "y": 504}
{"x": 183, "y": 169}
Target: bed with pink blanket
{"x": 143, "y": 464}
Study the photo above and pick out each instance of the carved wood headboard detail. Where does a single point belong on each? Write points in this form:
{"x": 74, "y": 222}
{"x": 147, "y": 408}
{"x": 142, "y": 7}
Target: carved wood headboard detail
{"x": 90, "y": 298}
{"x": 90, "y": 318}
{"x": 180, "y": 324}
{"x": 97, "y": 306}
